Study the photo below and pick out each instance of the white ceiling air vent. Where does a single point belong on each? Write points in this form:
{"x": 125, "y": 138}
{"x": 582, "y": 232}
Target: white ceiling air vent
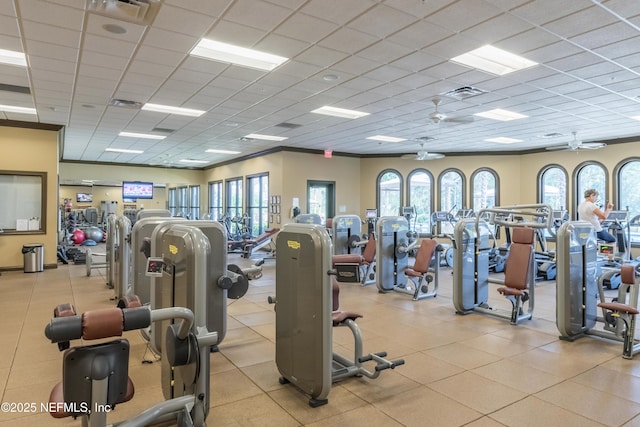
{"x": 463, "y": 92}
{"x": 137, "y": 11}
{"x": 125, "y": 103}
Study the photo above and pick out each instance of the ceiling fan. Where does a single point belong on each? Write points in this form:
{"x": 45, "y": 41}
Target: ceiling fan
{"x": 422, "y": 154}
{"x": 437, "y": 117}
{"x": 575, "y": 144}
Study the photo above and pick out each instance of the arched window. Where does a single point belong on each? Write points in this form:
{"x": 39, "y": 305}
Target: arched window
{"x": 590, "y": 175}
{"x": 420, "y": 196}
{"x": 626, "y": 187}
{"x": 552, "y": 187}
{"x": 486, "y": 189}
{"x": 451, "y": 185}
{"x": 389, "y": 193}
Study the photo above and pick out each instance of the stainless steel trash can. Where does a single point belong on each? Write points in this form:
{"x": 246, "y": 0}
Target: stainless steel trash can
{"x": 33, "y": 257}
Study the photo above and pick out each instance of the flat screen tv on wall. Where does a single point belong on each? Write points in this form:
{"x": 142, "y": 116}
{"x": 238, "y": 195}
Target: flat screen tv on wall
{"x": 137, "y": 190}
{"x": 84, "y": 197}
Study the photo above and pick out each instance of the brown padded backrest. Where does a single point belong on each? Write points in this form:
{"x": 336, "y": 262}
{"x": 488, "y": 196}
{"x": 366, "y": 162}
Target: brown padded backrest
{"x": 424, "y": 255}
{"x": 519, "y": 260}
{"x": 522, "y": 235}
{"x": 369, "y": 251}
{"x": 336, "y": 295}
{"x": 328, "y": 223}
{"x": 628, "y": 274}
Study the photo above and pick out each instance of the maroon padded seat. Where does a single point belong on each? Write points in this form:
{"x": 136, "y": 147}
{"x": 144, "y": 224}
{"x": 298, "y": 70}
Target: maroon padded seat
{"x": 518, "y": 263}
{"x": 56, "y": 398}
{"x": 340, "y": 316}
{"x": 423, "y": 259}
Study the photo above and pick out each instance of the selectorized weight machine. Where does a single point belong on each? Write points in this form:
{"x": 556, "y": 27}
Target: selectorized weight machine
{"x": 305, "y": 316}
{"x": 393, "y": 244}
{"x": 471, "y": 264}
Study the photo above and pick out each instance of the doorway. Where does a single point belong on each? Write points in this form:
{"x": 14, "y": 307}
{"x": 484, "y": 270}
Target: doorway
{"x": 321, "y": 199}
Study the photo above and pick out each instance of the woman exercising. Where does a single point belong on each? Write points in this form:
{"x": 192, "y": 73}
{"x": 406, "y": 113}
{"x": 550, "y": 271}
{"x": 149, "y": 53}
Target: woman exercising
{"x": 588, "y": 211}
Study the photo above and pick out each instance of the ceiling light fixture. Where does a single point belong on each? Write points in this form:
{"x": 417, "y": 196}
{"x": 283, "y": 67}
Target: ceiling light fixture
{"x": 223, "y": 52}
{"x": 123, "y": 150}
{"x": 265, "y": 137}
{"x": 503, "y": 140}
{"x": 15, "y": 109}
{"x": 500, "y": 114}
{"x": 215, "y": 151}
{"x": 493, "y": 60}
{"x": 141, "y": 135}
{"x": 172, "y": 110}
{"x": 192, "y": 161}
{"x": 340, "y": 112}
{"x": 13, "y": 58}
{"x": 385, "y": 138}
{"x": 636, "y": 117}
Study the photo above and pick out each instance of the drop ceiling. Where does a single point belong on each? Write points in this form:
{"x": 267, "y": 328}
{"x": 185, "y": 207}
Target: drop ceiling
{"x": 388, "y": 58}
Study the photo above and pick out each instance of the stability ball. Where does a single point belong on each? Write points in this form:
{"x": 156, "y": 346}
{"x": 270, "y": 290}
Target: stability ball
{"x": 93, "y": 233}
{"x": 78, "y": 236}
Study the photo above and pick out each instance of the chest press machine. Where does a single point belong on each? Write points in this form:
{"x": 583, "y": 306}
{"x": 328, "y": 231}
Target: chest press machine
{"x": 471, "y": 261}
{"x": 580, "y": 294}
{"x": 306, "y": 312}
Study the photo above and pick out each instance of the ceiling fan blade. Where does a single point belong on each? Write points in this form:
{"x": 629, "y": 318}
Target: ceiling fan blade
{"x": 558, "y": 148}
{"x": 592, "y": 145}
{"x": 459, "y": 119}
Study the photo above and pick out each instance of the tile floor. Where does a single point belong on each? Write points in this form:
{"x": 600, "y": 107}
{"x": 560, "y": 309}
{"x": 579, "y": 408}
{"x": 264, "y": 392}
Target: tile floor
{"x": 472, "y": 370}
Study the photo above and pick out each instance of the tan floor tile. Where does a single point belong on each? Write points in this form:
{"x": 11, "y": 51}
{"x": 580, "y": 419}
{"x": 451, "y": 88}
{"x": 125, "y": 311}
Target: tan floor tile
{"x": 484, "y": 422}
{"x": 296, "y": 403}
{"x": 497, "y": 345}
{"x": 250, "y": 353}
{"x": 612, "y": 382}
{"x": 264, "y": 375}
{"x": 231, "y": 386}
{"x": 526, "y": 379}
{"x": 462, "y": 355}
{"x": 255, "y": 411}
{"x": 422, "y": 406}
{"x": 373, "y": 416}
{"x": 388, "y": 384}
{"x": 424, "y": 368}
{"x": 533, "y": 412}
{"x": 477, "y": 392}
{"x": 560, "y": 365}
{"x": 591, "y": 403}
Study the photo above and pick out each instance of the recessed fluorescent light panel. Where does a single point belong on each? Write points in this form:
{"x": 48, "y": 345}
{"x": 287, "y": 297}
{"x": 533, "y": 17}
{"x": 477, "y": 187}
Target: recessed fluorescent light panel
{"x": 503, "y": 140}
{"x": 386, "y": 138}
{"x": 123, "y": 150}
{"x": 493, "y": 60}
{"x": 223, "y": 52}
{"x": 265, "y": 137}
{"x": 502, "y": 115}
{"x": 141, "y": 135}
{"x": 211, "y": 150}
{"x": 636, "y": 117}
{"x": 13, "y": 58}
{"x": 340, "y": 112}
{"x": 172, "y": 110}
{"x": 192, "y": 161}
{"x": 14, "y": 109}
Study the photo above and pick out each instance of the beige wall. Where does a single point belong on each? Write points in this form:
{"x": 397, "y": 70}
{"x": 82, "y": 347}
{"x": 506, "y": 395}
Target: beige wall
{"x": 114, "y": 175}
{"x": 111, "y": 193}
{"x": 36, "y": 151}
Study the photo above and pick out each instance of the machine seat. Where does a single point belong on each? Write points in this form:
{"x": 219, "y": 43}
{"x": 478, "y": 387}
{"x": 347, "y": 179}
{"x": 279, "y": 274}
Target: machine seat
{"x": 83, "y": 365}
{"x": 519, "y": 262}
{"x": 338, "y": 316}
{"x": 347, "y": 259}
{"x": 423, "y": 258}
{"x": 618, "y": 307}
